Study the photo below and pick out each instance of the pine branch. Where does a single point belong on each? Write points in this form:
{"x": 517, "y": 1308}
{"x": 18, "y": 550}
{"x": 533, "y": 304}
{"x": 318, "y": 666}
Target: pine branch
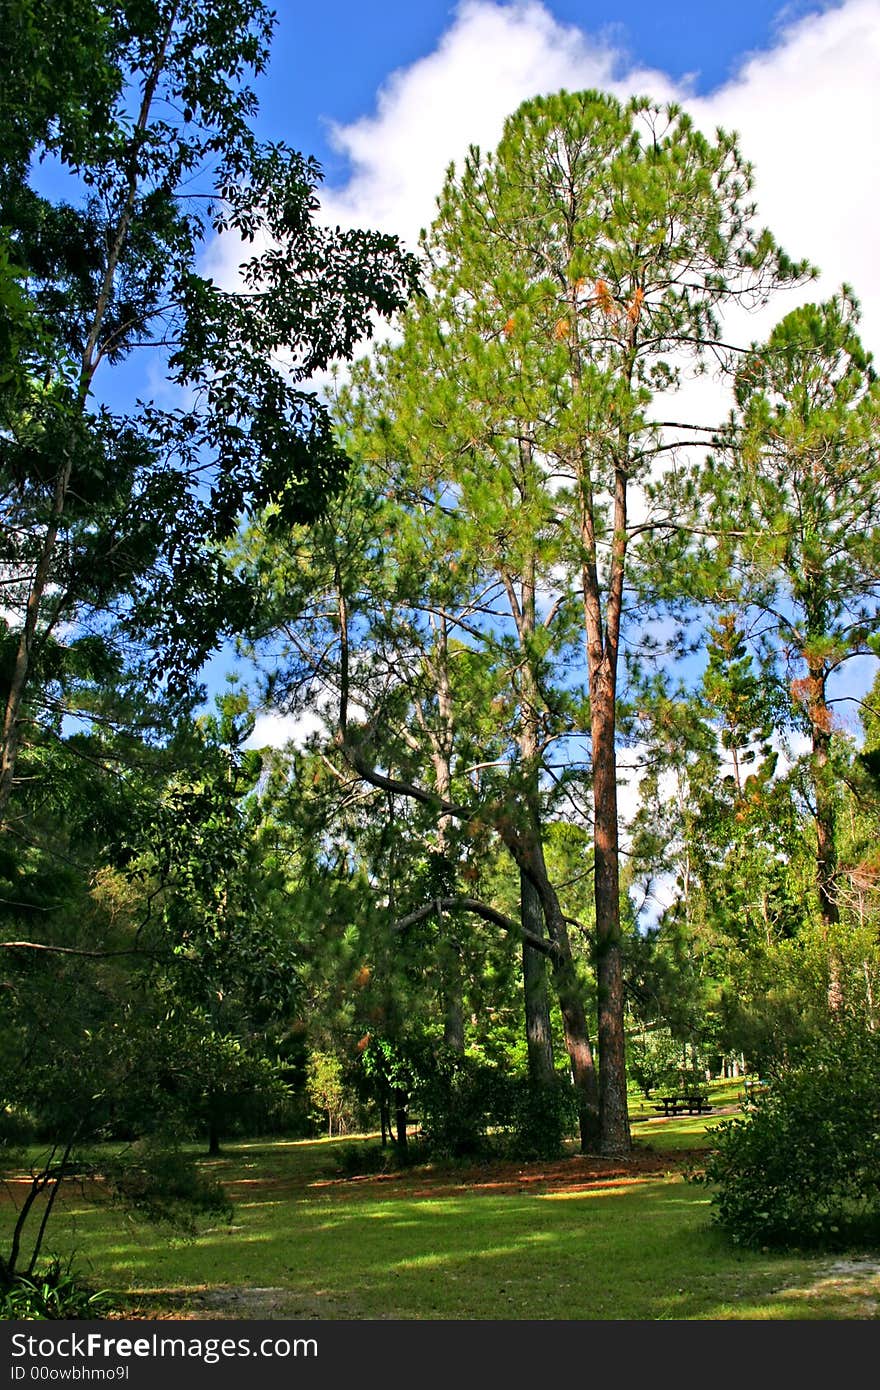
{"x": 480, "y": 909}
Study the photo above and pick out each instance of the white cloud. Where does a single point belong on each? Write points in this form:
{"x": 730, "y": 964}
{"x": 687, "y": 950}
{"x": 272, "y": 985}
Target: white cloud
{"x": 492, "y": 58}
{"x": 806, "y": 110}
{"x": 275, "y": 730}
{"x": 808, "y": 115}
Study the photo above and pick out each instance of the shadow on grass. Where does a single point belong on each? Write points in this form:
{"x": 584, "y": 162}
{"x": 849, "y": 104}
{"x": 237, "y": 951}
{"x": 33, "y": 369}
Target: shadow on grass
{"x": 582, "y": 1239}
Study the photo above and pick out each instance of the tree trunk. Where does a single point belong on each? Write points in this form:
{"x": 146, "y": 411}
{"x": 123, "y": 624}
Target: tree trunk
{"x": 453, "y": 1023}
{"x": 825, "y": 813}
{"x": 602, "y": 640}
{"x": 613, "y": 1111}
{"x": 528, "y": 847}
{"x": 529, "y": 854}
{"x": 400, "y": 1114}
{"x": 539, "y": 1038}
{"x": 213, "y": 1136}
{"x": 524, "y": 845}
{"x": 451, "y": 982}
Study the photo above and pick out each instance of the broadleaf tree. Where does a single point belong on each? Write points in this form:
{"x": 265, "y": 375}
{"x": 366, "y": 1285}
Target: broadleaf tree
{"x": 112, "y": 515}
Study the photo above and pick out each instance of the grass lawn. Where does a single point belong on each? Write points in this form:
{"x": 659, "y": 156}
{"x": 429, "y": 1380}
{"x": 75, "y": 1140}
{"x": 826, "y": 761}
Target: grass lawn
{"x": 579, "y": 1239}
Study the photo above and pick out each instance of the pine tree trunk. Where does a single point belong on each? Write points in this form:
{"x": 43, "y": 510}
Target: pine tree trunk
{"x": 826, "y": 854}
{"x": 539, "y": 1038}
{"x": 400, "y": 1118}
{"x": 826, "y": 851}
{"x": 528, "y": 850}
{"x": 613, "y": 1112}
{"x": 602, "y": 639}
{"x": 451, "y": 982}
{"x": 529, "y": 854}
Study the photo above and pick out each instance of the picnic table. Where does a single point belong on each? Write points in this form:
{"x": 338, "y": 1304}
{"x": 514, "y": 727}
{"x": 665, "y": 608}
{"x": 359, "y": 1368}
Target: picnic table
{"x": 692, "y": 1104}
{"x": 752, "y": 1086}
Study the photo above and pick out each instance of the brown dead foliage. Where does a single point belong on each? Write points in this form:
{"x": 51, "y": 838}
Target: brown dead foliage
{"x": 578, "y": 1173}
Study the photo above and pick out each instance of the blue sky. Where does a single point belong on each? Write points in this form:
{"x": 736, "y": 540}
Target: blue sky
{"x": 330, "y": 59}
{"x": 386, "y": 94}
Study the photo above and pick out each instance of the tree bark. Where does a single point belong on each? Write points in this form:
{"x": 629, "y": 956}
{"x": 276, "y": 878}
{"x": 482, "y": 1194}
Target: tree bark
{"x": 536, "y": 1004}
{"x": 613, "y": 1112}
{"x": 825, "y": 817}
{"x": 602, "y": 641}
{"x": 539, "y": 1039}
{"x": 213, "y": 1136}
{"x": 528, "y": 852}
{"x": 440, "y": 735}
{"x": 400, "y": 1115}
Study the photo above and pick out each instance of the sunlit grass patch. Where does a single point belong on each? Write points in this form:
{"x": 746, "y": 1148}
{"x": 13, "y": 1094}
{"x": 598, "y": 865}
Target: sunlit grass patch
{"x": 574, "y": 1240}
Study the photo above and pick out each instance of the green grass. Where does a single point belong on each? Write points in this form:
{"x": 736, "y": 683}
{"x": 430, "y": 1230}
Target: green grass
{"x": 684, "y": 1131}
{"x": 432, "y": 1243}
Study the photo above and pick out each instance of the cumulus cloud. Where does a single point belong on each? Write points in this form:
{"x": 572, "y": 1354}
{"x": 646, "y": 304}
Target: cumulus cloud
{"x": 806, "y": 110}
{"x": 275, "y": 730}
{"x": 808, "y": 115}
{"x": 492, "y": 58}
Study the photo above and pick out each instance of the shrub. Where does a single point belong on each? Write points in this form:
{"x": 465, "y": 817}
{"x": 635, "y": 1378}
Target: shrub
{"x": 541, "y": 1118}
{"x": 803, "y": 1168}
{"x": 471, "y": 1109}
{"x": 357, "y": 1159}
{"x": 458, "y": 1101}
{"x": 166, "y": 1186}
{"x": 53, "y": 1291}
{"x": 653, "y": 1059}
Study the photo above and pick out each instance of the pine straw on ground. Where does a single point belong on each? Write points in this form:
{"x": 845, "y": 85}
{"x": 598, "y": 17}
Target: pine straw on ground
{"x": 432, "y": 1180}
{"x": 581, "y": 1171}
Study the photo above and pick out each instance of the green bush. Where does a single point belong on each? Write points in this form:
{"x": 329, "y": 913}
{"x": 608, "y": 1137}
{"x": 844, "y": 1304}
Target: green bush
{"x": 653, "y": 1059}
{"x": 470, "y": 1109}
{"x": 466, "y": 1107}
{"x": 540, "y": 1120}
{"x": 358, "y": 1159}
{"x": 802, "y": 1169}
{"x": 51, "y": 1292}
{"x": 458, "y": 1100}
{"x": 166, "y": 1186}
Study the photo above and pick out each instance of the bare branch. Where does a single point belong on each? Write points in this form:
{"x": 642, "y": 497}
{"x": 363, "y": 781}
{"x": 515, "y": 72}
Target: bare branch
{"x": 480, "y": 909}
{"x": 70, "y": 950}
